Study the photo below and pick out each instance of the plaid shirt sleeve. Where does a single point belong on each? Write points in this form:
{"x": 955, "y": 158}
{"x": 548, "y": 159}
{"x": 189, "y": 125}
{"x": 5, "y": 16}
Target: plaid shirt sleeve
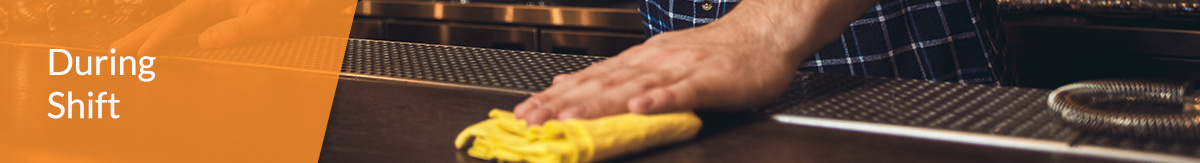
{"x": 937, "y": 40}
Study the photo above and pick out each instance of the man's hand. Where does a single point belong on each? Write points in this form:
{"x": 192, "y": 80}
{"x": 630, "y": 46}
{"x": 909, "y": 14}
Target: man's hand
{"x": 222, "y": 23}
{"x": 745, "y": 60}
{"x": 676, "y": 71}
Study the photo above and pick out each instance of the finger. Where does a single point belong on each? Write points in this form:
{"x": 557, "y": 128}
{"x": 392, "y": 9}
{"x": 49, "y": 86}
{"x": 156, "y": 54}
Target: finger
{"x": 225, "y": 33}
{"x": 557, "y": 89}
{"x": 590, "y": 100}
{"x": 682, "y": 96}
{"x": 615, "y": 77}
{"x": 130, "y": 43}
{"x": 642, "y": 83}
{"x": 248, "y": 27}
{"x": 538, "y": 116}
{"x": 613, "y": 100}
{"x": 189, "y": 17}
{"x": 594, "y": 101}
{"x": 561, "y": 77}
{"x": 569, "y": 97}
{"x": 551, "y": 98}
{"x": 542, "y": 99}
{"x": 524, "y": 107}
{"x": 593, "y": 109}
{"x": 602, "y": 71}
{"x": 573, "y": 113}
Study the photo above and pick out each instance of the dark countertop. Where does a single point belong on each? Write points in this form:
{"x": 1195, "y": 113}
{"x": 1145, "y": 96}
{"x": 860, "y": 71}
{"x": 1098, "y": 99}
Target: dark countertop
{"x": 397, "y": 121}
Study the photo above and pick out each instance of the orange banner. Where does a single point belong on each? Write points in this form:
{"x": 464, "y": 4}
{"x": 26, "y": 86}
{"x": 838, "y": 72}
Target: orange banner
{"x": 185, "y": 81}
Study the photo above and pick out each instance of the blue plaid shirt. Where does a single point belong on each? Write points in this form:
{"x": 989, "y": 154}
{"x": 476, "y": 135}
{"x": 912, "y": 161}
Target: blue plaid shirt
{"x": 937, "y": 40}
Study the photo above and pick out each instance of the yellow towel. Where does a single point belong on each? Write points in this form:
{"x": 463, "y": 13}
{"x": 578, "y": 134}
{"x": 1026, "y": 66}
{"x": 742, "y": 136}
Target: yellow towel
{"x": 507, "y": 139}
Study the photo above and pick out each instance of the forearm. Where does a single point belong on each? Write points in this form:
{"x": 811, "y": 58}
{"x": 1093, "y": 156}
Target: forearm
{"x": 793, "y": 28}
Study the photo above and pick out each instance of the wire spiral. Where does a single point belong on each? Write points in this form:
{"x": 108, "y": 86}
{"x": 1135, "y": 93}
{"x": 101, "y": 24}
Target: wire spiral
{"x": 1080, "y": 104}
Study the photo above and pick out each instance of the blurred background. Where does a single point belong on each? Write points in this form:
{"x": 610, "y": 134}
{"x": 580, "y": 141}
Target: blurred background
{"x": 591, "y": 27}
{"x": 1049, "y": 42}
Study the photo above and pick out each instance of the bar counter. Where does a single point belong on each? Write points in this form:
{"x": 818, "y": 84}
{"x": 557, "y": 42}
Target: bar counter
{"x": 405, "y": 102}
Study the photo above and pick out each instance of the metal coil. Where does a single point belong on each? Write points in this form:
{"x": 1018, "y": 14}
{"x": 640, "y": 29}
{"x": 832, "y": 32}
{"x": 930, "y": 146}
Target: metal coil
{"x": 1080, "y": 105}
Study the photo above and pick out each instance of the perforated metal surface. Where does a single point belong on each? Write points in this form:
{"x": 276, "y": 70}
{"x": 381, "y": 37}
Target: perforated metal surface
{"x": 91, "y": 37}
{"x": 313, "y": 53}
{"x": 1008, "y": 111}
{"x": 520, "y": 70}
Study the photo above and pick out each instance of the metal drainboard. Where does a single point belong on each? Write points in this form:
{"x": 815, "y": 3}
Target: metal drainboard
{"x": 1008, "y": 111}
{"x": 521, "y": 70}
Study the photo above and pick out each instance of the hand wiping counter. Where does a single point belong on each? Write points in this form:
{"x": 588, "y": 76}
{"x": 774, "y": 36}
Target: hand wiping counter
{"x": 507, "y": 139}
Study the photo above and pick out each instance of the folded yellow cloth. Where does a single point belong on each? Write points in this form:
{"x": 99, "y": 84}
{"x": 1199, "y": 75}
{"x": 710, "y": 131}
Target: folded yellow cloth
{"x": 507, "y": 139}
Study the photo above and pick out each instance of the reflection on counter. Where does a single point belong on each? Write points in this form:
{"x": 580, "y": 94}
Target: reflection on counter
{"x": 599, "y": 28}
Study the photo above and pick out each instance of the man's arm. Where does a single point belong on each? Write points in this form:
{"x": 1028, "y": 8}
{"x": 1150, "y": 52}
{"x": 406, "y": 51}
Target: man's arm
{"x": 798, "y": 28}
{"x": 744, "y": 60}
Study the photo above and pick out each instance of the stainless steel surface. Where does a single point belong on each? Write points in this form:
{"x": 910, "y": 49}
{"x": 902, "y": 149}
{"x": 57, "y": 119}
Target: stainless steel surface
{"x": 560, "y": 16}
{"x": 984, "y": 139}
{"x": 1134, "y": 107}
{"x": 587, "y": 42}
{"x": 367, "y": 28}
{"x": 1005, "y": 111}
{"x": 463, "y": 34}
